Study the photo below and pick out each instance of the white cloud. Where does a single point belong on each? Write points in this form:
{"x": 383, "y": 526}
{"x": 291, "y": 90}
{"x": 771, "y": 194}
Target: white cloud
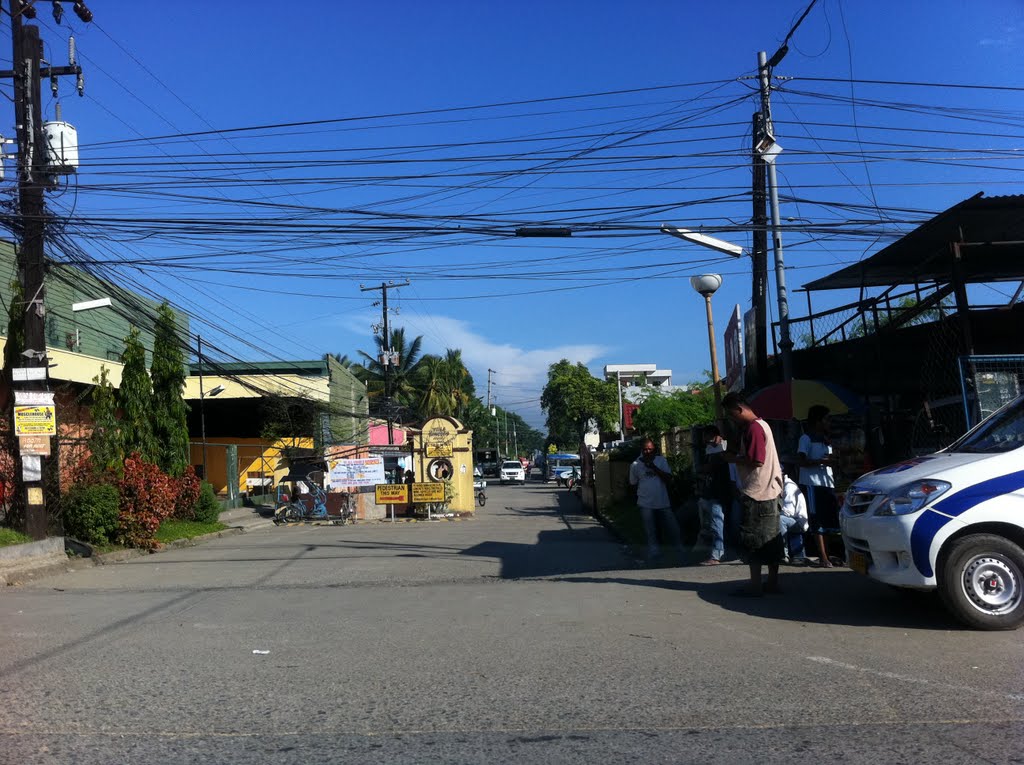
{"x": 1011, "y": 36}
{"x": 520, "y": 374}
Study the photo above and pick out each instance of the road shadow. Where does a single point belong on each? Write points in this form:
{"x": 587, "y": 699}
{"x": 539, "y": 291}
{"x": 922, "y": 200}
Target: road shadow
{"x": 820, "y": 597}
{"x": 555, "y": 553}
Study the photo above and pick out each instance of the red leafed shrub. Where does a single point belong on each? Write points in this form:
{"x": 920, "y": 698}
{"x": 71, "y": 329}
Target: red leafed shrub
{"x": 147, "y": 498}
{"x": 187, "y": 489}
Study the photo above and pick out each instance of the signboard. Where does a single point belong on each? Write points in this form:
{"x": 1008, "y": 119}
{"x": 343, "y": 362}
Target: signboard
{"x": 750, "y": 335}
{"x": 37, "y": 445}
{"x": 34, "y": 421}
{"x": 24, "y": 374}
{"x": 734, "y": 351}
{"x": 428, "y": 492}
{"x": 31, "y": 468}
{"x": 33, "y": 398}
{"x": 439, "y": 450}
{"x": 391, "y": 494}
{"x": 361, "y": 471}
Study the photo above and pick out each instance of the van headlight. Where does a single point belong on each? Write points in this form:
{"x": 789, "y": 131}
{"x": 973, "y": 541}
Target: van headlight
{"x": 912, "y": 497}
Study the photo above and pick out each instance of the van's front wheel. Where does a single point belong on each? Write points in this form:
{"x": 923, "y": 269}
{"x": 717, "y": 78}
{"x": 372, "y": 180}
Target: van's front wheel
{"x": 982, "y": 582}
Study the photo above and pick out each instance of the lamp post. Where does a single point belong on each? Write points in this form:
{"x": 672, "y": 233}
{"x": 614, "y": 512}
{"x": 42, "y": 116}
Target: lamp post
{"x": 707, "y": 285}
{"x": 215, "y": 391}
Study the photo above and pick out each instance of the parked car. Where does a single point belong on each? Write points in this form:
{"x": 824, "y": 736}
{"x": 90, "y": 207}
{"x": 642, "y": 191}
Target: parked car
{"x": 952, "y": 521}
{"x": 512, "y": 472}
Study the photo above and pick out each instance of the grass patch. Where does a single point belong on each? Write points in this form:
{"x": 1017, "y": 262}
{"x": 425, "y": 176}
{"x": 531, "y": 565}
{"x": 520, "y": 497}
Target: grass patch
{"x": 624, "y": 517}
{"x": 171, "y": 530}
{"x": 12, "y": 537}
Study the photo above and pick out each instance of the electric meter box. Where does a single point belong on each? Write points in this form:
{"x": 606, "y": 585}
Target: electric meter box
{"x": 61, "y": 140}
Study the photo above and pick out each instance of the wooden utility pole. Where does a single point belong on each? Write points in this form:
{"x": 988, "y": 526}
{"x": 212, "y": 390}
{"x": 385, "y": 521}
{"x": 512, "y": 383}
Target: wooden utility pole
{"x": 759, "y": 258}
{"x": 26, "y": 53}
{"x": 386, "y": 357}
{"x": 34, "y": 176}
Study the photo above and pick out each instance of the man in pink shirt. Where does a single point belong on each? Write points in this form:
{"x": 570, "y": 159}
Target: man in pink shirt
{"x": 759, "y": 480}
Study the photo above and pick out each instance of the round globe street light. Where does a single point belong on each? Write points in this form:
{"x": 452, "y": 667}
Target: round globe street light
{"x": 707, "y": 285}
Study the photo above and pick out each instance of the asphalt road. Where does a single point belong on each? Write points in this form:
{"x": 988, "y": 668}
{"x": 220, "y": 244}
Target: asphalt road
{"x": 525, "y": 635}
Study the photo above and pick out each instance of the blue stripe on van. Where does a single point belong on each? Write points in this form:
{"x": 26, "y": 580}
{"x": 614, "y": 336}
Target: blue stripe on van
{"x": 931, "y": 522}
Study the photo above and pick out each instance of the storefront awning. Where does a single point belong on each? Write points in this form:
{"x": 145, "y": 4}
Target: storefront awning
{"x": 991, "y": 233}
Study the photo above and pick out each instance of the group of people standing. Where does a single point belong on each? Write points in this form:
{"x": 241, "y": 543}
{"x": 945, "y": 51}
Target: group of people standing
{"x": 769, "y": 513}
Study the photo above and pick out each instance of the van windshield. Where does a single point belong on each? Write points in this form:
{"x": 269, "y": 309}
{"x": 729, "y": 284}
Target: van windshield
{"x": 1002, "y": 432}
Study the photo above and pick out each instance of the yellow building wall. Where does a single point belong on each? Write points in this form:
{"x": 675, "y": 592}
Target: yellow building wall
{"x": 255, "y": 455}
{"x": 449, "y": 433}
{"x": 258, "y": 386}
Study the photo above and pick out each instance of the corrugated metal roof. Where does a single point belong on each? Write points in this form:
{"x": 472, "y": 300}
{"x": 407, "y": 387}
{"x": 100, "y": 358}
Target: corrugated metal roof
{"x": 926, "y": 255}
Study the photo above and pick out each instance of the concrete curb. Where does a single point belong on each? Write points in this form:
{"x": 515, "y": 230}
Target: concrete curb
{"x": 38, "y": 568}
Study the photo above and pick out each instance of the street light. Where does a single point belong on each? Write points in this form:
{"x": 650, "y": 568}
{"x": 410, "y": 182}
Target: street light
{"x": 707, "y": 285}
{"x": 704, "y": 240}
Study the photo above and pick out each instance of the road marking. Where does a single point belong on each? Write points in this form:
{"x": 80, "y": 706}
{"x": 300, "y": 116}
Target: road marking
{"x": 914, "y": 680}
{"x": 28, "y": 730}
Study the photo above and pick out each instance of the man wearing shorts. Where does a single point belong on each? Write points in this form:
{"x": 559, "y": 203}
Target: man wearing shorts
{"x": 759, "y": 480}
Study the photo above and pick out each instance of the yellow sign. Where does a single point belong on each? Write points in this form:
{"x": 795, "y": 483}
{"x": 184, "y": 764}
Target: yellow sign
{"x": 35, "y": 495}
{"x": 34, "y": 421}
{"x": 439, "y": 450}
{"x": 428, "y": 492}
{"x": 391, "y": 493}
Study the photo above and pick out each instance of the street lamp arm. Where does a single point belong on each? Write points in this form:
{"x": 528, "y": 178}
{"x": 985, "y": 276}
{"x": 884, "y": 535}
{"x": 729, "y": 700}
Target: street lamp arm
{"x": 704, "y": 240}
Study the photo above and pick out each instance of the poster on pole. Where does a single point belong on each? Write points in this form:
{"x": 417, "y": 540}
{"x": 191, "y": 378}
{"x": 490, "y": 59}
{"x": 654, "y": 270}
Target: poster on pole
{"x": 35, "y": 421}
{"x": 37, "y": 445}
{"x": 360, "y": 471}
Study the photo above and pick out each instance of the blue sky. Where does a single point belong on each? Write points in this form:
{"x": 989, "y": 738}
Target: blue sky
{"x": 266, "y": 232}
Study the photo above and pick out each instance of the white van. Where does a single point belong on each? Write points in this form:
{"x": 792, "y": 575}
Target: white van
{"x": 952, "y": 521}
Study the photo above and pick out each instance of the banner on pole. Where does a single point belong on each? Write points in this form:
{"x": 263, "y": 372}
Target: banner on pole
{"x": 361, "y": 471}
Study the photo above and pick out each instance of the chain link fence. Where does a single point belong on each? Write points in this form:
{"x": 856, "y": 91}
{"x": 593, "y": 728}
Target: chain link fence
{"x": 988, "y": 382}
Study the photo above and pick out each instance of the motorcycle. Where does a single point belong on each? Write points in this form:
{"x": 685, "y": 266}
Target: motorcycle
{"x": 572, "y": 481}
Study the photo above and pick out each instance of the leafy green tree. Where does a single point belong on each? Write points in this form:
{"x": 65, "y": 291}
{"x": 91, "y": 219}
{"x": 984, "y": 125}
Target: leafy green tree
{"x": 10, "y": 467}
{"x": 135, "y": 399}
{"x": 661, "y": 412}
{"x": 572, "y": 398}
{"x": 105, "y": 442}
{"x": 169, "y": 410}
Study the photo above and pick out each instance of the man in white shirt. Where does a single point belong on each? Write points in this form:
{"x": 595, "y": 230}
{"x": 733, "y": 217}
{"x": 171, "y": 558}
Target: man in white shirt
{"x": 650, "y": 474}
{"x": 793, "y": 520}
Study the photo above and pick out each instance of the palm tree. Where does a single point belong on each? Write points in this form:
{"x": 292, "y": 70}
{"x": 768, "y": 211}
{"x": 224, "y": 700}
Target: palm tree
{"x": 434, "y": 394}
{"x": 461, "y": 389}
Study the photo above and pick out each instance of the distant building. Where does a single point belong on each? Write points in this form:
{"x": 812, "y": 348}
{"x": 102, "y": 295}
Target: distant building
{"x": 635, "y": 383}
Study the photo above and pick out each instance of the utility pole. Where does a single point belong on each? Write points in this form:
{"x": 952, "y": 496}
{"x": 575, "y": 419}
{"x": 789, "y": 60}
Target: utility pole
{"x": 387, "y": 357}
{"x": 506, "y": 431}
{"x": 33, "y": 179}
{"x": 759, "y": 258}
{"x": 489, "y": 413}
{"x": 767, "y": 141}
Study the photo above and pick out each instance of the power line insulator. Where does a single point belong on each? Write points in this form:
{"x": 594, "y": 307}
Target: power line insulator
{"x": 82, "y": 11}
{"x": 25, "y": 8}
